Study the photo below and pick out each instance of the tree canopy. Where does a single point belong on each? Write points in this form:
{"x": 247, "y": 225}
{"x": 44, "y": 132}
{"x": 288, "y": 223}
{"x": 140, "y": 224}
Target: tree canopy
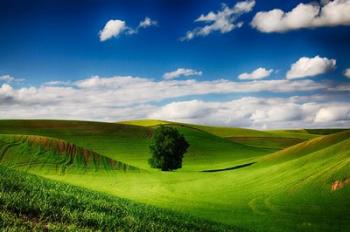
{"x": 168, "y": 148}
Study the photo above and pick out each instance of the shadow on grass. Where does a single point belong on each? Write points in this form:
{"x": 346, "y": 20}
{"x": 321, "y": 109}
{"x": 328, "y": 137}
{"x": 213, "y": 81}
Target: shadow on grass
{"x": 230, "y": 168}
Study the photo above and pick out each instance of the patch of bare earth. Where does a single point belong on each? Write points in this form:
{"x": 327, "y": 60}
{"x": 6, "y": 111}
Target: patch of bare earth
{"x": 339, "y": 184}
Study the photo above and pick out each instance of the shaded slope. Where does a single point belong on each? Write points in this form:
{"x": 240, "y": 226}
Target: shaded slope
{"x": 38, "y": 152}
{"x": 325, "y": 131}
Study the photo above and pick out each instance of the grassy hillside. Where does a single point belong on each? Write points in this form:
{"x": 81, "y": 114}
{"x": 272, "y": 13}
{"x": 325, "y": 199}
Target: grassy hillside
{"x": 304, "y": 187}
{"x": 119, "y": 142}
{"x": 30, "y": 203}
{"x": 288, "y": 195}
{"x": 37, "y": 152}
{"x": 130, "y": 144}
{"x": 147, "y": 122}
{"x": 308, "y": 147}
{"x": 273, "y": 143}
{"x": 235, "y": 131}
{"x": 273, "y": 140}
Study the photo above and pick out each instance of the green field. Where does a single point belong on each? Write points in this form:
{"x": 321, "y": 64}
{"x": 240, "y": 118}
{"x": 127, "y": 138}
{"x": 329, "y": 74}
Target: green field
{"x": 232, "y": 179}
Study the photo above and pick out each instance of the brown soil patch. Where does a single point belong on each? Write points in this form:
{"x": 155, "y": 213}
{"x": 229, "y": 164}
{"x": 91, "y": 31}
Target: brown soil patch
{"x": 61, "y": 146}
{"x": 72, "y": 151}
{"x": 339, "y": 184}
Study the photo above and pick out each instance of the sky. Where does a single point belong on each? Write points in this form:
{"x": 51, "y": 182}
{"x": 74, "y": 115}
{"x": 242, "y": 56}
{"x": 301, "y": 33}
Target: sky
{"x": 262, "y": 64}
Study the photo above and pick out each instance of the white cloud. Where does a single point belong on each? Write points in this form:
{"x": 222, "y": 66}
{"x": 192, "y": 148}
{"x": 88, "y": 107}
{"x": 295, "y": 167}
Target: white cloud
{"x": 113, "y": 28}
{"x": 332, "y": 13}
{"x": 9, "y": 79}
{"x": 223, "y": 21}
{"x": 127, "y": 90}
{"x": 257, "y": 74}
{"x": 116, "y": 27}
{"x": 308, "y": 67}
{"x": 57, "y": 83}
{"x": 258, "y": 113}
{"x": 333, "y": 114}
{"x": 127, "y": 97}
{"x": 347, "y": 72}
{"x": 183, "y": 110}
{"x": 147, "y": 22}
{"x": 181, "y": 72}
{"x": 5, "y": 90}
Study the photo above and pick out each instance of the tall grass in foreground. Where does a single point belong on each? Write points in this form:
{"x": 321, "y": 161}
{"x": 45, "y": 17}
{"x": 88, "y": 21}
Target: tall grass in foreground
{"x": 31, "y": 203}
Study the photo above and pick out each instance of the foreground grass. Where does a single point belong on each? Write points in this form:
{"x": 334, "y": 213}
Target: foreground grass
{"x": 28, "y": 203}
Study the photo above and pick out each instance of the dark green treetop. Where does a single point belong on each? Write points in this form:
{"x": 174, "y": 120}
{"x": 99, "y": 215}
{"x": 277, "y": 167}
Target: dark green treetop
{"x": 168, "y": 148}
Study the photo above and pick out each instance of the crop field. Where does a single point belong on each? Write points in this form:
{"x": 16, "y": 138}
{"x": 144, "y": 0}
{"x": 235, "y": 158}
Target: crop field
{"x": 232, "y": 179}
{"x": 36, "y": 204}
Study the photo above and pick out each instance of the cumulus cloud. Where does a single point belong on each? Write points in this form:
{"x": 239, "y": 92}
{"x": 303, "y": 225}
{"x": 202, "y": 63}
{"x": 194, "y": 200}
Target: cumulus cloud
{"x": 347, "y": 72}
{"x": 332, "y": 13}
{"x": 308, "y": 67}
{"x": 222, "y": 21}
{"x": 333, "y": 114}
{"x": 257, "y": 74}
{"x": 116, "y": 27}
{"x": 181, "y": 72}
{"x": 113, "y": 28}
{"x": 5, "y": 89}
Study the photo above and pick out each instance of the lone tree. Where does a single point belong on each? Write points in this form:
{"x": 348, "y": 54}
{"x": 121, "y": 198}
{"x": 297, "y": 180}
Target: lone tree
{"x": 168, "y": 148}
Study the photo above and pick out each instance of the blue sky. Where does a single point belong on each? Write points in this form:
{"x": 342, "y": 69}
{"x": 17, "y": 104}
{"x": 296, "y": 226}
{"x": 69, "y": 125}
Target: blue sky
{"x": 54, "y": 45}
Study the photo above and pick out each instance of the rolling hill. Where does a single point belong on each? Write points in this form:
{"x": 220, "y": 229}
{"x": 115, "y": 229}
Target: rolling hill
{"x": 275, "y": 139}
{"x": 130, "y": 144}
{"x": 43, "y": 153}
{"x": 303, "y": 187}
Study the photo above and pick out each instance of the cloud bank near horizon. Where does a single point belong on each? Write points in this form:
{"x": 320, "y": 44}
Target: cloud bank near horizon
{"x": 127, "y": 97}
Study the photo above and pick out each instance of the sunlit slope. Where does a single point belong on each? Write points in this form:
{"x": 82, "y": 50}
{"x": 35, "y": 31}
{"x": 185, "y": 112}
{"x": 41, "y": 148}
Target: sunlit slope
{"x": 208, "y": 151}
{"x": 232, "y": 131}
{"x": 273, "y": 140}
{"x": 302, "y": 188}
{"x": 120, "y": 142}
{"x": 312, "y": 131}
{"x": 274, "y": 194}
{"x": 48, "y": 154}
{"x": 218, "y": 131}
{"x": 32, "y": 203}
{"x": 130, "y": 144}
{"x": 307, "y": 147}
{"x": 146, "y": 122}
